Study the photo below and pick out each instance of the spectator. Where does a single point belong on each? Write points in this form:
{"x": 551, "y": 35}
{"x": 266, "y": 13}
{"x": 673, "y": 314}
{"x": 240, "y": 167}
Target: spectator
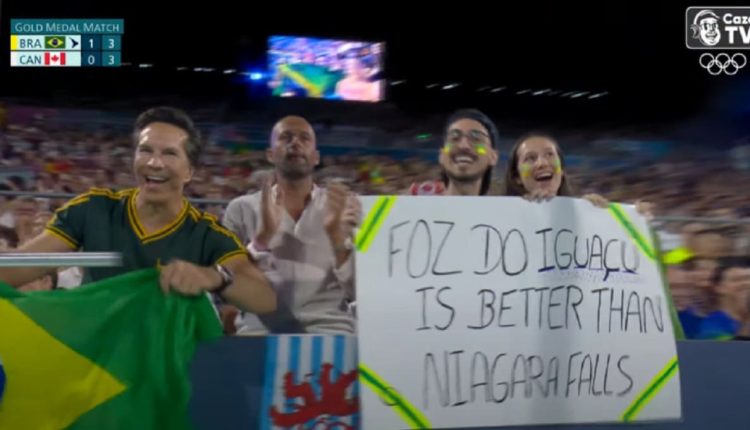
{"x": 467, "y": 158}
{"x": 46, "y": 156}
{"x": 8, "y": 238}
{"x": 153, "y": 224}
{"x": 300, "y": 234}
{"x": 731, "y": 284}
{"x": 536, "y": 171}
{"x": 25, "y": 211}
{"x": 7, "y": 217}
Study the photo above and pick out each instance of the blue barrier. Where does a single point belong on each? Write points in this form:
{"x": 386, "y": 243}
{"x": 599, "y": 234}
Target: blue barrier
{"x": 228, "y": 379}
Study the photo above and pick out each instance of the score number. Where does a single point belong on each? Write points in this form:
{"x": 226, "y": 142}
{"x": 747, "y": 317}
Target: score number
{"x": 102, "y": 50}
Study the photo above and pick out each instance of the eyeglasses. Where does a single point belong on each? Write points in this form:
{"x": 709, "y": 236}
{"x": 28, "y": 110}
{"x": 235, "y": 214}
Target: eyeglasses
{"x": 474, "y": 137}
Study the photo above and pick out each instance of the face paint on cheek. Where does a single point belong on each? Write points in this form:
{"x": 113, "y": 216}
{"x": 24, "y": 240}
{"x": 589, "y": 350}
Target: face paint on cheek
{"x": 525, "y": 170}
{"x": 481, "y": 149}
{"x": 447, "y": 148}
{"x": 558, "y": 166}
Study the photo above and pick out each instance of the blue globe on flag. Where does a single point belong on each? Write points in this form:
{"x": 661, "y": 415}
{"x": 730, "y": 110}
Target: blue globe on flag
{"x": 2, "y": 380}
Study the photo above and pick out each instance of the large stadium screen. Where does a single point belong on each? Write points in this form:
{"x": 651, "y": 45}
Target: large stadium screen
{"x": 325, "y": 68}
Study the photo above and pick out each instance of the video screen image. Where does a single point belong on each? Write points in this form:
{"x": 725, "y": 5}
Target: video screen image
{"x": 325, "y": 68}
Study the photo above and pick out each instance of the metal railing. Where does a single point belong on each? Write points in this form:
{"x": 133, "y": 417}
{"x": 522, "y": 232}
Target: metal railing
{"x": 48, "y": 195}
{"x": 224, "y": 202}
{"x": 61, "y": 259}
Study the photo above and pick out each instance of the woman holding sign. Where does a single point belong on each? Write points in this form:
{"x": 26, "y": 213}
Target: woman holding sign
{"x": 536, "y": 172}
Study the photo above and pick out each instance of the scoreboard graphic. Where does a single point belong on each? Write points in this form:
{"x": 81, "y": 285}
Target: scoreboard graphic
{"x": 66, "y": 42}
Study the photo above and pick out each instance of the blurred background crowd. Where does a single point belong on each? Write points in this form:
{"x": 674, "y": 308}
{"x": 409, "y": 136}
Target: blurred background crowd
{"x": 699, "y": 201}
{"x": 637, "y": 117}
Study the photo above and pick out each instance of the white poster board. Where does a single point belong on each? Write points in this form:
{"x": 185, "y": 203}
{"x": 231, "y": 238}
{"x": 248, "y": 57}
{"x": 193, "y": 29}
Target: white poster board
{"x": 491, "y": 311}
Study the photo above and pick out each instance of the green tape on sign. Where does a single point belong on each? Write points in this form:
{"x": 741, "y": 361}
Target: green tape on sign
{"x": 678, "y": 256}
{"x": 679, "y": 333}
{"x": 653, "y": 388}
{"x": 625, "y": 222}
{"x": 411, "y": 415}
{"x": 651, "y": 252}
{"x": 373, "y": 221}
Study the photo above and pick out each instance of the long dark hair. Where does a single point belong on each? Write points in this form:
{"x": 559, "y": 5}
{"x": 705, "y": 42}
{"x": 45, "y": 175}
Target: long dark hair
{"x": 483, "y": 119}
{"x": 513, "y": 187}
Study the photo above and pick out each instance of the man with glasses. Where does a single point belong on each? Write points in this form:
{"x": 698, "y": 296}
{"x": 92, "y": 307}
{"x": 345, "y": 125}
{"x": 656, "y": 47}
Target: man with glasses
{"x": 467, "y": 157}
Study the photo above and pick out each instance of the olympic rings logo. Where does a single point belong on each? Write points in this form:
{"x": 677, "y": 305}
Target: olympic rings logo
{"x": 722, "y": 63}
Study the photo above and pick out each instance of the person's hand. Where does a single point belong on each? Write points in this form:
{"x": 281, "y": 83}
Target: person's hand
{"x": 540, "y": 195}
{"x": 228, "y": 314}
{"x": 645, "y": 208}
{"x": 597, "y": 200}
{"x": 336, "y": 199}
{"x": 271, "y": 209}
{"x": 352, "y": 216}
{"x": 188, "y": 279}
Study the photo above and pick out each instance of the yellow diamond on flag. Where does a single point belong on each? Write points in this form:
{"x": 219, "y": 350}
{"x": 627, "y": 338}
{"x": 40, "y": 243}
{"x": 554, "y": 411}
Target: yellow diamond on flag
{"x": 47, "y": 384}
{"x": 54, "y": 42}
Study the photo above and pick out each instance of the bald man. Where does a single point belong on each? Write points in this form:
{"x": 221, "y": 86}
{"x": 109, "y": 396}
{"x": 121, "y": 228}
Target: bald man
{"x": 300, "y": 235}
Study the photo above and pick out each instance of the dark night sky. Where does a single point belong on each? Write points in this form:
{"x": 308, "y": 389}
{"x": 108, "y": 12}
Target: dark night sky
{"x": 634, "y": 51}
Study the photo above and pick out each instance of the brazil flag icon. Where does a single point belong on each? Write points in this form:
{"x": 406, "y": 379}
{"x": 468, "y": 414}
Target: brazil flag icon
{"x": 54, "y": 42}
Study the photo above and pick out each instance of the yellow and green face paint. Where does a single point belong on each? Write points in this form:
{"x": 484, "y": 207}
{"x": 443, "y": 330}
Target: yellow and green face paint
{"x": 481, "y": 149}
{"x": 525, "y": 169}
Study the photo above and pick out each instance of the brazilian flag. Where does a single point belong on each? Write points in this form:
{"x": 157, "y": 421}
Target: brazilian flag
{"x": 109, "y": 355}
{"x": 317, "y": 80}
{"x": 54, "y": 42}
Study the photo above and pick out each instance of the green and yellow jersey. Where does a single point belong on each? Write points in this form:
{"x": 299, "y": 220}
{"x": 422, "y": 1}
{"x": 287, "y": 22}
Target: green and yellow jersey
{"x": 106, "y": 221}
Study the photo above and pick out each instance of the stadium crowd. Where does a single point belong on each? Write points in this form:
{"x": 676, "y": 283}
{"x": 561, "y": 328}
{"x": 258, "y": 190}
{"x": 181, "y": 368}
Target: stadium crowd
{"x": 711, "y": 276}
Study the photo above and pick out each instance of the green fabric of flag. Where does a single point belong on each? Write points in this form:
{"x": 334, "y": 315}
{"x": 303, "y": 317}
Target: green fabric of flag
{"x": 112, "y": 355}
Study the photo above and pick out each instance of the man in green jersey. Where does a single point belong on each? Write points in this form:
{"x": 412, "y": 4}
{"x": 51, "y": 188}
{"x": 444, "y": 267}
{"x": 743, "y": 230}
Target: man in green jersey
{"x": 153, "y": 225}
